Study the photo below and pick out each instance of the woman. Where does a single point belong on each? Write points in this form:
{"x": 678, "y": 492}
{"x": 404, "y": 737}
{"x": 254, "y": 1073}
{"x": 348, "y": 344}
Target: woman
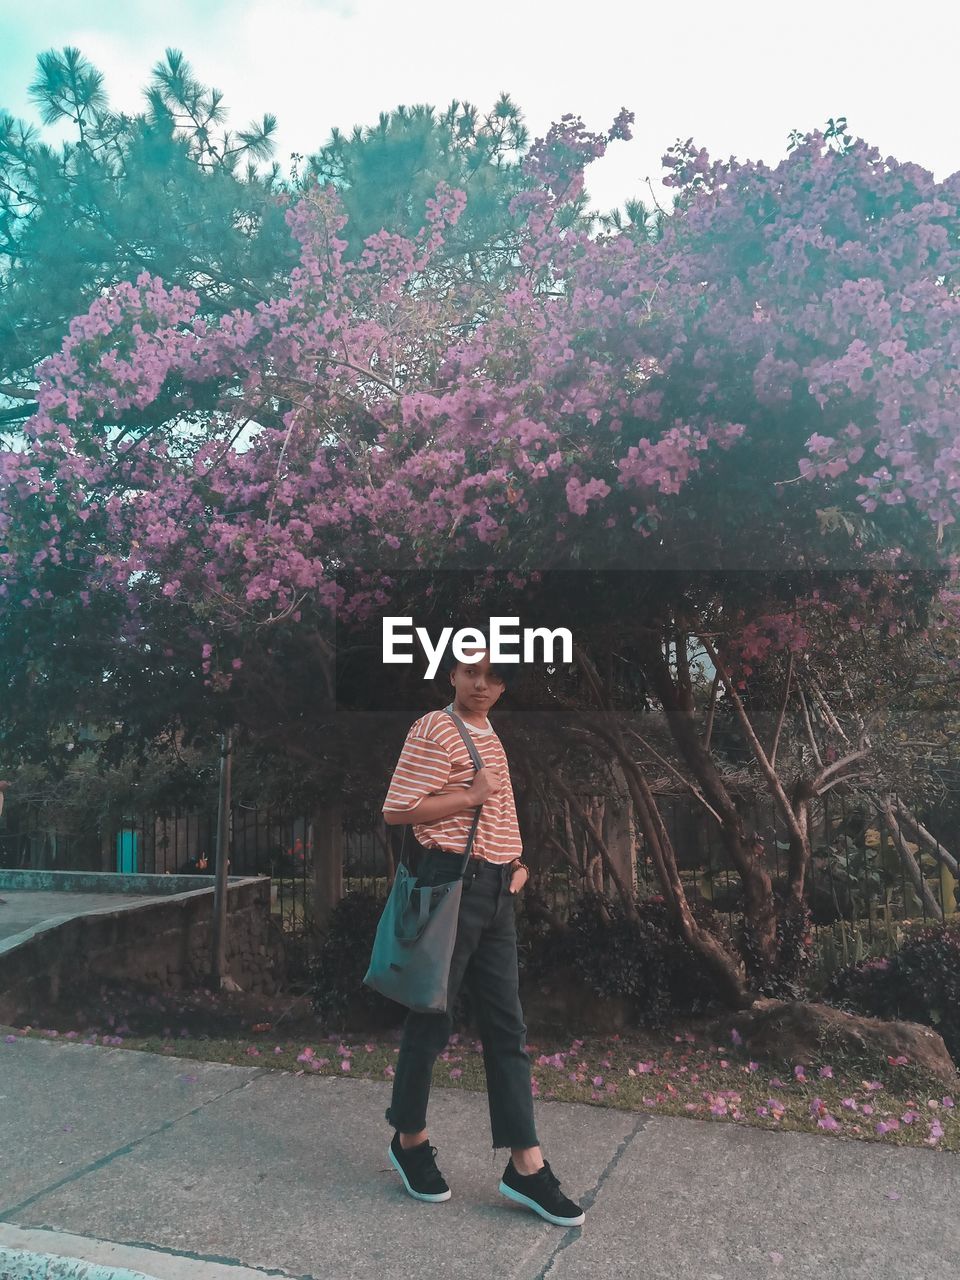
{"x": 436, "y": 788}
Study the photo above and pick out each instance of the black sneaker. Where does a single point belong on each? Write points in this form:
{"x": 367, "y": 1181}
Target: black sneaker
{"x": 541, "y": 1192}
{"x": 418, "y": 1169}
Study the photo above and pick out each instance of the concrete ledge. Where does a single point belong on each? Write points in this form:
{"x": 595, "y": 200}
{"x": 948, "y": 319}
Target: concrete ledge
{"x": 108, "y": 882}
{"x": 156, "y": 932}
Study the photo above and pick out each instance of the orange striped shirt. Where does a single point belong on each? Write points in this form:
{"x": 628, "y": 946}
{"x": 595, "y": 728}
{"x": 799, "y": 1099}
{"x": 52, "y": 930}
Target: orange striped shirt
{"x": 435, "y": 761}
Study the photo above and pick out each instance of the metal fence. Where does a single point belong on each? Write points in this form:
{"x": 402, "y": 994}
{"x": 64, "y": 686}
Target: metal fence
{"x": 261, "y": 842}
{"x": 858, "y": 877}
{"x": 857, "y": 872}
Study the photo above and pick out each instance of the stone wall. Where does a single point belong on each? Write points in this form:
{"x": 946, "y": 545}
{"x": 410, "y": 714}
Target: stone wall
{"x": 166, "y": 945}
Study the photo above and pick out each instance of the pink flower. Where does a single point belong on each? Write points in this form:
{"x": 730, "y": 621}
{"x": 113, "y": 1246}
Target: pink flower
{"x": 935, "y": 1134}
{"x": 826, "y": 1073}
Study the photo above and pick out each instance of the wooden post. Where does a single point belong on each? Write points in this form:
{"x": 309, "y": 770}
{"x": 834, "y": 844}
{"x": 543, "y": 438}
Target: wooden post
{"x": 218, "y": 973}
{"x": 327, "y": 862}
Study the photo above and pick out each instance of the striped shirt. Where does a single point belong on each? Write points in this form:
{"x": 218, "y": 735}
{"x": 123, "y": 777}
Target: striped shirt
{"x": 435, "y": 760}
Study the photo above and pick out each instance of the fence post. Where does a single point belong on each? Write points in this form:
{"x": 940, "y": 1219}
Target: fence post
{"x": 327, "y": 862}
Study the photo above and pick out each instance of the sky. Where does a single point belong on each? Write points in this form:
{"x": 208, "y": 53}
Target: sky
{"x": 735, "y": 76}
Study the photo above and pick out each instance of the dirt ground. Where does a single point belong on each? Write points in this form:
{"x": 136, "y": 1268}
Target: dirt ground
{"x": 124, "y": 1009}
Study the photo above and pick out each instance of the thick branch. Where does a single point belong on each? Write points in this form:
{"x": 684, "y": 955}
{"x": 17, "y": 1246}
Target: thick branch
{"x": 936, "y": 849}
{"x": 909, "y": 862}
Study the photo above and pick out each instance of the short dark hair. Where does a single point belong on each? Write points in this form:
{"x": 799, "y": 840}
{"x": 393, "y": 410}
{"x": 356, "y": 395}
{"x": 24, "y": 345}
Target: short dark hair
{"x": 507, "y": 671}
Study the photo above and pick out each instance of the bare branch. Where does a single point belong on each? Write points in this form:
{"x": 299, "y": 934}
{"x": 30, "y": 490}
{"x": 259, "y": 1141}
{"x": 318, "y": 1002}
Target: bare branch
{"x": 783, "y": 712}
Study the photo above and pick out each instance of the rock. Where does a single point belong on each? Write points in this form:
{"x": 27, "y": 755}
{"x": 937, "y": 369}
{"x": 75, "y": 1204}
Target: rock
{"x": 799, "y": 1032}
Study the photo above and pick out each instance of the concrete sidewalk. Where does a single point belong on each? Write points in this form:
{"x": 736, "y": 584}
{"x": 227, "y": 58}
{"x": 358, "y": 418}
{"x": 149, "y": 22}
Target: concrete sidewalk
{"x": 184, "y": 1170}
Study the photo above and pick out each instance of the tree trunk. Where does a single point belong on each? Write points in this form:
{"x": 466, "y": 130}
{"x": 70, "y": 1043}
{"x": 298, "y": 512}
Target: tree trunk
{"x": 617, "y": 830}
{"x": 760, "y": 910}
{"x": 724, "y": 966}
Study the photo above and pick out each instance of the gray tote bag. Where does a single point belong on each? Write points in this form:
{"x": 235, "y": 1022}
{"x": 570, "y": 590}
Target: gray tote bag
{"x": 410, "y": 962}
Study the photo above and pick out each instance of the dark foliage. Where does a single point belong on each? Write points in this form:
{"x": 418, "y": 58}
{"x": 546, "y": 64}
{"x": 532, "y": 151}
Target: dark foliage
{"x": 643, "y": 960}
{"x": 920, "y": 983}
{"x": 336, "y": 971}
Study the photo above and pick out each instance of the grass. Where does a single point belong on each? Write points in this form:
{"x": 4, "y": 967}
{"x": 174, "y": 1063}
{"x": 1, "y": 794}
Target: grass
{"x": 683, "y": 1072}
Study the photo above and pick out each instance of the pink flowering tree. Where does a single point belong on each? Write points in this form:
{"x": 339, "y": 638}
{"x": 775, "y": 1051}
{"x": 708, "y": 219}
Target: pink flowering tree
{"x": 770, "y": 385}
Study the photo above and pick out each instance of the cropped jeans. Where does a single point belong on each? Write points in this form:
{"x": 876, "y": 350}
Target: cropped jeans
{"x": 485, "y": 956}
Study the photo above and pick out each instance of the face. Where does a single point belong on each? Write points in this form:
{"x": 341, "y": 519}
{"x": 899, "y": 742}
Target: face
{"x": 476, "y": 687}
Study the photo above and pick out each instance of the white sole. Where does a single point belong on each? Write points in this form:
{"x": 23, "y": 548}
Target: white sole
{"x": 520, "y": 1198}
{"x": 417, "y": 1195}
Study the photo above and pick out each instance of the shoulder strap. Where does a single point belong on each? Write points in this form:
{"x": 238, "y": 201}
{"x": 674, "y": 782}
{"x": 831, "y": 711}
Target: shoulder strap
{"x": 478, "y": 765}
{"x": 468, "y": 740}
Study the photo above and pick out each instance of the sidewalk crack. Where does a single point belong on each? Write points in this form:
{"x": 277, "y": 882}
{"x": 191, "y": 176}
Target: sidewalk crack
{"x": 7, "y": 1211}
{"x": 572, "y": 1234}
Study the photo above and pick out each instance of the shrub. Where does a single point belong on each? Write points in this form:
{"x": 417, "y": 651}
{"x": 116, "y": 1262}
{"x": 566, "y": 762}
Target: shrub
{"x": 643, "y": 960}
{"x": 342, "y": 958}
{"x": 920, "y": 983}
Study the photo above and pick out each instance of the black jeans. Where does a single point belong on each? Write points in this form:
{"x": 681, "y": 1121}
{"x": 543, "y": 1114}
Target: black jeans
{"x": 485, "y": 955}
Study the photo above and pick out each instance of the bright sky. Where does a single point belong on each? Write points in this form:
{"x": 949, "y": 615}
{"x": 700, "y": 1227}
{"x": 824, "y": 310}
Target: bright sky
{"x": 737, "y": 75}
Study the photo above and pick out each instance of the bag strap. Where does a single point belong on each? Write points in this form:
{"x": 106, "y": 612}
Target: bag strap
{"x": 478, "y": 765}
